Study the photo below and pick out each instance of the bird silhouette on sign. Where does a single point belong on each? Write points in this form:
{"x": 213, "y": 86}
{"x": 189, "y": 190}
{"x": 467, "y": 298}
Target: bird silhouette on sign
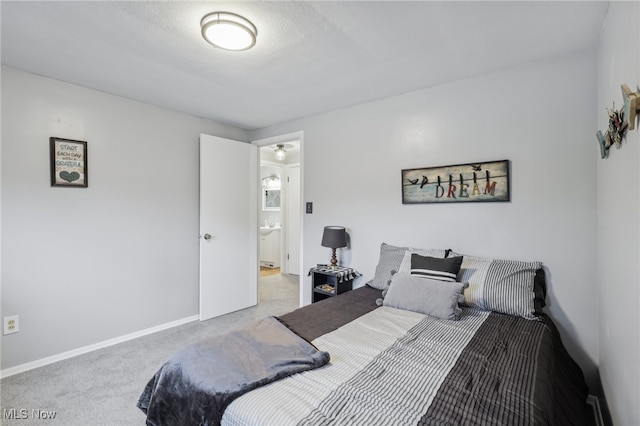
{"x": 476, "y": 167}
{"x": 415, "y": 181}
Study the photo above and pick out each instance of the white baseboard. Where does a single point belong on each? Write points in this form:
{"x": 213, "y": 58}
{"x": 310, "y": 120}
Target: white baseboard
{"x": 100, "y": 345}
{"x": 594, "y": 402}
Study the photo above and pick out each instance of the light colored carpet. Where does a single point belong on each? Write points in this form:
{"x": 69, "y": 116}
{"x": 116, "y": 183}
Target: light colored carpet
{"x": 102, "y": 387}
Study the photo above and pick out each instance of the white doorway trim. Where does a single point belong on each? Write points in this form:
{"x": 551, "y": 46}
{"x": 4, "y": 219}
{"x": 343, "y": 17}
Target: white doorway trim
{"x": 291, "y": 257}
{"x": 299, "y": 136}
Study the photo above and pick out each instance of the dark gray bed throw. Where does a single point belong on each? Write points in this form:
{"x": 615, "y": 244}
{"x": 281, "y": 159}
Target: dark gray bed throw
{"x": 197, "y": 383}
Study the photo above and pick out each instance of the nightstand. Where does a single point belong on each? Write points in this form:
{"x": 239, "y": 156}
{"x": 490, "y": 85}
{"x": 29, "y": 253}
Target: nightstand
{"x": 328, "y": 282}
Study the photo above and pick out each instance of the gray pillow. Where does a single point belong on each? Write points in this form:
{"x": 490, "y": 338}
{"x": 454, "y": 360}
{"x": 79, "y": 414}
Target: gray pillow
{"x": 426, "y": 296}
{"x": 391, "y": 258}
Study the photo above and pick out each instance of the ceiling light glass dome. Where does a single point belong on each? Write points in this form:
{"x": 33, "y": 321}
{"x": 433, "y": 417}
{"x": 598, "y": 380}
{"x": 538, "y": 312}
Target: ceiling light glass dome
{"x": 228, "y": 31}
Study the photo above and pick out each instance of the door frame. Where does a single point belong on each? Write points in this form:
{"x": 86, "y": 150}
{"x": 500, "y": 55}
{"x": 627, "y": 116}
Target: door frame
{"x": 288, "y": 137}
{"x": 287, "y": 218}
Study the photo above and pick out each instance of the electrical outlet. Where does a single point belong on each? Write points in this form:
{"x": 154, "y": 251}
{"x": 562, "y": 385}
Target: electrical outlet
{"x": 11, "y": 324}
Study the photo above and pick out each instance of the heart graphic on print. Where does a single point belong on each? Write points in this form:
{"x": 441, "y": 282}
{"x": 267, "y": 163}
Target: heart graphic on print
{"x": 69, "y": 177}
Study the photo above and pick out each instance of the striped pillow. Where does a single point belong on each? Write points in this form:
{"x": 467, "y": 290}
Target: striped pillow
{"x": 434, "y": 268}
{"x": 505, "y": 286}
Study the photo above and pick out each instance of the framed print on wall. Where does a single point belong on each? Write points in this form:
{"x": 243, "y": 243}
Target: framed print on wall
{"x": 68, "y": 162}
{"x": 473, "y": 182}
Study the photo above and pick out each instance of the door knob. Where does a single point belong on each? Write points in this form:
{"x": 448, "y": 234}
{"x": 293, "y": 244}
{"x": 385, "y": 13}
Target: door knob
{"x": 207, "y": 237}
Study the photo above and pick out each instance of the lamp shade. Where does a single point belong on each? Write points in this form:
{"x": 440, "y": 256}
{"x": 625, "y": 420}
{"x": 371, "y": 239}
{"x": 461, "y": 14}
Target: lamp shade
{"x": 334, "y": 237}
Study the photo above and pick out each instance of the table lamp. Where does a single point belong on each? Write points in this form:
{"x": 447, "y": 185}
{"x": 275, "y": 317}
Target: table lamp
{"x": 334, "y": 237}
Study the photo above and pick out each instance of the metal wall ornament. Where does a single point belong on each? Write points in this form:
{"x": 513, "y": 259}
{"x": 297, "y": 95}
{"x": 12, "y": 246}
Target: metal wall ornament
{"x": 620, "y": 121}
{"x": 615, "y": 131}
{"x": 472, "y": 182}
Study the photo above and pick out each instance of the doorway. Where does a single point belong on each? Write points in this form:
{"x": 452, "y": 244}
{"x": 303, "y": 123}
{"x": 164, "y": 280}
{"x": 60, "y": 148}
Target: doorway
{"x": 280, "y": 217}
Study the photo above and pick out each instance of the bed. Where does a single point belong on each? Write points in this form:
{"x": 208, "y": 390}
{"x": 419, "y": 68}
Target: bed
{"x": 408, "y": 349}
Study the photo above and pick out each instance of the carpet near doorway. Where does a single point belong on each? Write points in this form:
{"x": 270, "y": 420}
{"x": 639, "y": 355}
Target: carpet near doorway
{"x": 102, "y": 387}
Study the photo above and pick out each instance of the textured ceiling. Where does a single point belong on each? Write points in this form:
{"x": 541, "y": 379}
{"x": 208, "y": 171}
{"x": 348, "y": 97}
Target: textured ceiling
{"x": 310, "y": 57}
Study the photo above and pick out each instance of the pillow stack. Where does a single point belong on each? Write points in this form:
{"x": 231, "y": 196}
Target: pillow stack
{"x": 436, "y": 281}
{"x": 392, "y": 260}
{"x": 419, "y": 280}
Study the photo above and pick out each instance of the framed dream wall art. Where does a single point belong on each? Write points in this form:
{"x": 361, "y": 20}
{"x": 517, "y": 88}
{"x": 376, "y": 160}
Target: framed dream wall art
{"x": 473, "y": 182}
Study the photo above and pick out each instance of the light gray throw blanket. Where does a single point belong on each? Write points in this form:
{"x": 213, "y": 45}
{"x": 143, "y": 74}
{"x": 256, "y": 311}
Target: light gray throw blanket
{"x": 197, "y": 383}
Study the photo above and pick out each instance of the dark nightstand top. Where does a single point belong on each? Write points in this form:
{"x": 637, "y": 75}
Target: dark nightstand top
{"x": 340, "y": 272}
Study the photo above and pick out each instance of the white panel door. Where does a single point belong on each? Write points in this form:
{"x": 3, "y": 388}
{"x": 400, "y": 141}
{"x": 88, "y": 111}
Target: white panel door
{"x": 228, "y": 226}
{"x": 294, "y": 211}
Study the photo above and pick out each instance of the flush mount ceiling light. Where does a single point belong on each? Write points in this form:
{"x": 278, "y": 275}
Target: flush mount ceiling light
{"x": 228, "y": 31}
{"x": 280, "y": 152}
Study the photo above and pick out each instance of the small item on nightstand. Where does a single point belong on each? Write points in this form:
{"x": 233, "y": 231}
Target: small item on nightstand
{"x": 326, "y": 287}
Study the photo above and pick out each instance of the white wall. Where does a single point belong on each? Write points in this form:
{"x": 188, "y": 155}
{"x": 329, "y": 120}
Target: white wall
{"x": 81, "y": 266}
{"x": 619, "y": 221}
{"x": 539, "y": 117}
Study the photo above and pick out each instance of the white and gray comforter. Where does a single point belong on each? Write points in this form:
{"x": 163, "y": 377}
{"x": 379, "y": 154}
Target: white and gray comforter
{"x": 388, "y": 367}
{"x": 395, "y": 367}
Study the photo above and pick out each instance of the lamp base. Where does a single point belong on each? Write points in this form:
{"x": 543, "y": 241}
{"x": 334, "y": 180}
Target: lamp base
{"x": 334, "y": 259}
